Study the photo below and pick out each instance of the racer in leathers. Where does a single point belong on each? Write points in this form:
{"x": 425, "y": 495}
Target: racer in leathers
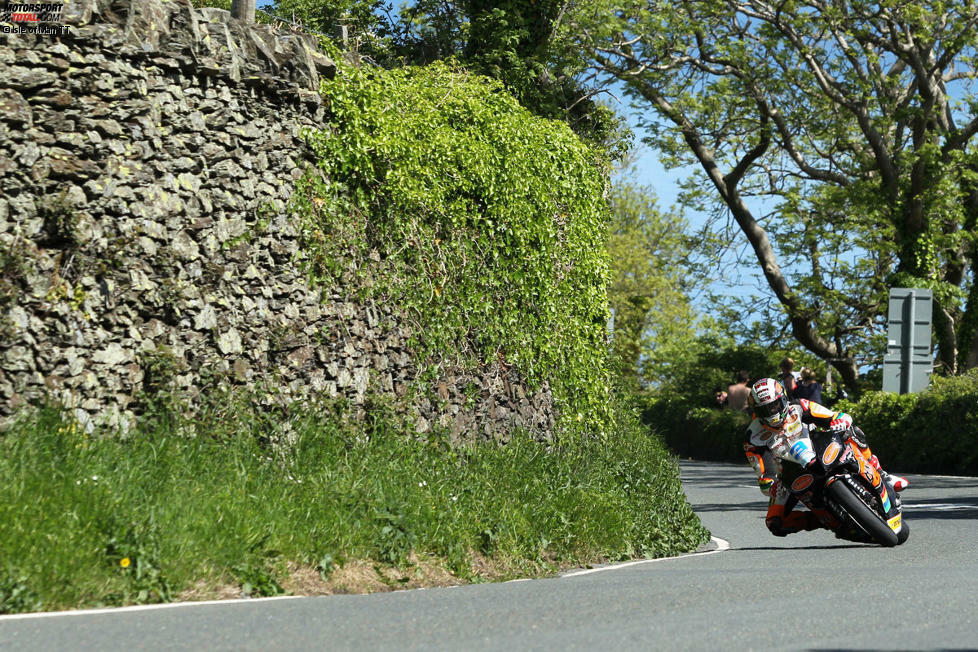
{"x": 771, "y": 411}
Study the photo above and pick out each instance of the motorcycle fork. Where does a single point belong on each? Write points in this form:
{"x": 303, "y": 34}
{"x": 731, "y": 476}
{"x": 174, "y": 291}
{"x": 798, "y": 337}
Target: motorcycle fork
{"x": 865, "y": 468}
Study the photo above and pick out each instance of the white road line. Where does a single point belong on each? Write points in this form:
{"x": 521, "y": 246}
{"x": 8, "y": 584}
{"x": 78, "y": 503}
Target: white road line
{"x": 142, "y": 607}
{"x": 938, "y": 506}
{"x": 721, "y": 546}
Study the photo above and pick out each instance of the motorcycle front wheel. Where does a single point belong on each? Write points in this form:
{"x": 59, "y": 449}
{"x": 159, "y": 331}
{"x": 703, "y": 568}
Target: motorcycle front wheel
{"x": 863, "y": 515}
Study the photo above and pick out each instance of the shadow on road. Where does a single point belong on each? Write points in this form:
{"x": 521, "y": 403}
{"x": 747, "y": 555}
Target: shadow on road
{"x": 958, "y": 508}
{"x": 730, "y": 507}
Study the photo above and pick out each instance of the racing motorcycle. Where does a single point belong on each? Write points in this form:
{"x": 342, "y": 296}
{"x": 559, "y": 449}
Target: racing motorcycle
{"x": 826, "y": 471}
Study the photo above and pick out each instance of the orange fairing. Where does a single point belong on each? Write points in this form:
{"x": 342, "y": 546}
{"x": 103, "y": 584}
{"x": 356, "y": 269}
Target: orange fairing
{"x": 865, "y": 468}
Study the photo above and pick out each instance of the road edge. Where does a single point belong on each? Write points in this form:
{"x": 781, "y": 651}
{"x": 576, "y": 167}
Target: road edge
{"x": 714, "y": 546}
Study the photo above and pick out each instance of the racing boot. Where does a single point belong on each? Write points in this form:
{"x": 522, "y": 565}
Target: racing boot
{"x": 898, "y": 482}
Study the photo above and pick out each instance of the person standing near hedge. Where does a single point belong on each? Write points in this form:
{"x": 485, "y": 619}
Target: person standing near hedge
{"x": 788, "y": 377}
{"x": 809, "y": 387}
{"x": 719, "y": 397}
{"x": 738, "y": 392}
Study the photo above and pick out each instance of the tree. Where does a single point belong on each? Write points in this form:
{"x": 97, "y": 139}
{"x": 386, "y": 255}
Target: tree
{"x": 839, "y": 136}
{"x": 649, "y": 253}
{"x": 518, "y": 43}
{"x": 513, "y": 41}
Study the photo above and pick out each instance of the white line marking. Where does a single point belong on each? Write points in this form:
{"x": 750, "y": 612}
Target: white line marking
{"x": 142, "y": 607}
{"x": 939, "y": 506}
{"x": 721, "y": 546}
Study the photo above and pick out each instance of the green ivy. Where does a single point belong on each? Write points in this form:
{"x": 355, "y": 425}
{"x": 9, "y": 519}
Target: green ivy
{"x": 483, "y": 223}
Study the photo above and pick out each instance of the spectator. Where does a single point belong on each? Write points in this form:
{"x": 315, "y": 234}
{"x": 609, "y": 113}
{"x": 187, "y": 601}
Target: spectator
{"x": 720, "y": 397}
{"x": 788, "y": 377}
{"x": 738, "y": 392}
{"x": 809, "y": 387}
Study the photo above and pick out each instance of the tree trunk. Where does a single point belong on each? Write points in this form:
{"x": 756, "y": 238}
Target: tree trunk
{"x": 801, "y": 325}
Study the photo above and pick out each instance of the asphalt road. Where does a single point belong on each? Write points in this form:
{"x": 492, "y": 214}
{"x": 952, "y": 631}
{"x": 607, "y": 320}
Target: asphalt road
{"x": 808, "y": 591}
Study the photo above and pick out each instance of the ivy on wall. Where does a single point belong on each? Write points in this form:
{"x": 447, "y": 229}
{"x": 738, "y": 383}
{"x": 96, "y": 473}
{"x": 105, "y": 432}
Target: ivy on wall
{"x": 482, "y": 222}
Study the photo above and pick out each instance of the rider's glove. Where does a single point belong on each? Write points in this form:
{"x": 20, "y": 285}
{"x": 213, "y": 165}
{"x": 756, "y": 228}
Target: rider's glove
{"x": 838, "y": 425}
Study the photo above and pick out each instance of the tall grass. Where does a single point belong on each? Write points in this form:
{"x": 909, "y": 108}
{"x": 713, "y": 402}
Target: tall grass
{"x": 103, "y": 519}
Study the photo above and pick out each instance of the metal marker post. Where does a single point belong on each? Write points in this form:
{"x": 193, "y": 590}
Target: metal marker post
{"x": 908, "y": 362}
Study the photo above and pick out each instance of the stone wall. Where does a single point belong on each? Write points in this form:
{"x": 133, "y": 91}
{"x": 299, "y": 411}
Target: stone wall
{"x": 147, "y": 158}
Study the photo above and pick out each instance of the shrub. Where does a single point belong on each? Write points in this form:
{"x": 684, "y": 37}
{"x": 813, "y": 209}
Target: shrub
{"x": 698, "y": 432}
{"x": 927, "y": 432}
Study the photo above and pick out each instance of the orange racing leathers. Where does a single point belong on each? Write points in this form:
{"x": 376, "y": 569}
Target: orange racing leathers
{"x": 780, "y": 519}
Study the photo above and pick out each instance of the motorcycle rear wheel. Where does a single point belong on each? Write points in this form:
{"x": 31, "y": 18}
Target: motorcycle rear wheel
{"x": 865, "y": 517}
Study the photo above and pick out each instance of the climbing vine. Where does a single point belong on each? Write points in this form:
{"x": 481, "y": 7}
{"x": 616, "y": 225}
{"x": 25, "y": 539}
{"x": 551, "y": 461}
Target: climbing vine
{"x": 440, "y": 194}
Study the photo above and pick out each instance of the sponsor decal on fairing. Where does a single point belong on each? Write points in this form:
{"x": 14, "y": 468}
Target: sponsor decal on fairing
{"x": 802, "y": 482}
{"x": 896, "y": 523}
{"x": 831, "y": 452}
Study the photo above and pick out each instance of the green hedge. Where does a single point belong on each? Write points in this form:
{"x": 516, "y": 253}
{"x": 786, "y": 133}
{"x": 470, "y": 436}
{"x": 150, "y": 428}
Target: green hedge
{"x": 935, "y": 431}
{"x": 698, "y": 432}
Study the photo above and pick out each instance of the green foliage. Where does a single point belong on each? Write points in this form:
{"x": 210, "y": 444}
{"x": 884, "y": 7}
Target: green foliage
{"x": 16, "y": 595}
{"x": 847, "y": 166}
{"x": 517, "y": 42}
{"x": 704, "y": 433}
{"x": 94, "y": 518}
{"x": 514, "y": 42}
{"x": 927, "y": 432}
{"x": 482, "y": 222}
{"x": 710, "y": 361}
{"x": 256, "y": 579}
{"x": 133, "y": 550}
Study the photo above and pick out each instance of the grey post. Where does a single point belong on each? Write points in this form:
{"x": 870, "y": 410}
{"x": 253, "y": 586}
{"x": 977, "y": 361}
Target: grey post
{"x": 908, "y": 362}
{"x": 243, "y": 10}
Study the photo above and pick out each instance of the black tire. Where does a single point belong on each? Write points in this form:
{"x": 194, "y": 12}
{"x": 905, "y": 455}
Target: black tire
{"x": 904, "y": 533}
{"x": 864, "y": 517}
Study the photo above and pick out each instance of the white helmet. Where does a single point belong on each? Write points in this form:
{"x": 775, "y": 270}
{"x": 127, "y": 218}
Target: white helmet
{"x": 769, "y": 402}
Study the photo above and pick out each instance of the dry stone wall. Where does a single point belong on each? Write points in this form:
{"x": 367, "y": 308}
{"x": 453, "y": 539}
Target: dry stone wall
{"x": 147, "y": 158}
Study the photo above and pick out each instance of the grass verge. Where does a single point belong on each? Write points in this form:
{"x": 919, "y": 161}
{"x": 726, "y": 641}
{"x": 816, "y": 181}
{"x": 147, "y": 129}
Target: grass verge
{"x": 206, "y": 508}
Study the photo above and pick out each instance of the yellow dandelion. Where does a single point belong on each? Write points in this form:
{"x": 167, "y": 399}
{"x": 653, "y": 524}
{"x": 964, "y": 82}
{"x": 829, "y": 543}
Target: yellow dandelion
{"x": 124, "y": 562}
